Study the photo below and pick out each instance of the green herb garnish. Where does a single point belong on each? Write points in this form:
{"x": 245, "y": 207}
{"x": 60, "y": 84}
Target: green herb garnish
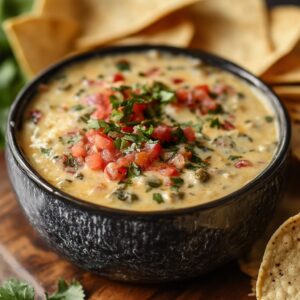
{"x": 123, "y": 65}
{"x": 77, "y": 107}
{"x": 123, "y": 195}
{"x": 45, "y": 151}
{"x": 269, "y": 119}
{"x": 234, "y": 157}
{"x": 17, "y": 290}
{"x": 215, "y": 123}
{"x": 157, "y": 197}
{"x": 134, "y": 170}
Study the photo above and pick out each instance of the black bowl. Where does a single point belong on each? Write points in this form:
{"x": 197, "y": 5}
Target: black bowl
{"x": 148, "y": 246}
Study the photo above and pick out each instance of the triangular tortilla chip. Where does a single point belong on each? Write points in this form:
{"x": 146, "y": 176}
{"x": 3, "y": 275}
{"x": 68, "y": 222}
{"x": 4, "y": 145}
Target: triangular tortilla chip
{"x": 176, "y": 30}
{"x": 39, "y": 41}
{"x": 285, "y": 23}
{"x": 278, "y": 276}
{"x": 286, "y": 70}
{"x": 234, "y": 29}
{"x": 287, "y": 90}
{"x": 113, "y": 19}
{"x": 61, "y": 8}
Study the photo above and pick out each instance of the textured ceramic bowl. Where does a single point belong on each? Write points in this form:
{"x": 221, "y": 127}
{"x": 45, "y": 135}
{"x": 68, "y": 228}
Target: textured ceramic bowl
{"x": 147, "y": 246}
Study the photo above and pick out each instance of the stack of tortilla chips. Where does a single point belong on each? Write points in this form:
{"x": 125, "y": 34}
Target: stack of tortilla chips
{"x": 266, "y": 42}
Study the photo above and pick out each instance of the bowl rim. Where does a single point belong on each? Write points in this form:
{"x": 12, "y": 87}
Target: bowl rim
{"x": 279, "y": 109}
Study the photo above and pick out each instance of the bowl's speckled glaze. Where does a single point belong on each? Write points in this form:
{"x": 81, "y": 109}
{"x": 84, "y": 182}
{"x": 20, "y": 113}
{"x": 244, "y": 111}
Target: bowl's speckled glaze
{"x": 149, "y": 246}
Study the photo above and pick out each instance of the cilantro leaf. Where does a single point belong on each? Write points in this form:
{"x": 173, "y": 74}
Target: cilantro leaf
{"x": 123, "y": 65}
{"x": 72, "y": 291}
{"x": 157, "y": 197}
{"x": 16, "y": 290}
{"x": 215, "y": 123}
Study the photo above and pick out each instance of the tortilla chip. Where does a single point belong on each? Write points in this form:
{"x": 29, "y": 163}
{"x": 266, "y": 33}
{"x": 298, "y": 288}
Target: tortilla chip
{"x": 296, "y": 139}
{"x": 104, "y": 21}
{"x": 278, "y": 276}
{"x": 223, "y": 28}
{"x": 287, "y": 90}
{"x": 39, "y": 41}
{"x": 176, "y": 30}
{"x": 61, "y": 8}
{"x": 285, "y": 33}
{"x": 286, "y": 70}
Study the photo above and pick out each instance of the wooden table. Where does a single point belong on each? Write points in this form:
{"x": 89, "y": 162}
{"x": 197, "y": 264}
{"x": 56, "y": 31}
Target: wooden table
{"x": 25, "y": 256}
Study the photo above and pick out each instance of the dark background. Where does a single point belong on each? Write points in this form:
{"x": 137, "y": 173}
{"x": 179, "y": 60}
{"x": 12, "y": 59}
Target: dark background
{"x": 276, "y": 2}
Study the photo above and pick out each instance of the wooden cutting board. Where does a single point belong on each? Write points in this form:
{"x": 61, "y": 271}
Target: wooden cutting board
{"x": 24, "y": 255}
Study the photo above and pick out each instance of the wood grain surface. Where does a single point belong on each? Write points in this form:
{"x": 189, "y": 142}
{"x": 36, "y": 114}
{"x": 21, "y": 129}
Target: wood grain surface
{"x": 24, "y": 255}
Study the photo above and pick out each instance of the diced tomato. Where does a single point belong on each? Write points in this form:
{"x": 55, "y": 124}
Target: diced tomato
{"x": 126, "y": 160}
{"x": 127, "y": 129}
{"x": 189, "y": 134}
{"x": 102, "y": 103}
{"x": 139, "y": 108}
{"x": 200, "y": 93}
{"x": 103, "y": 141}
{"x": 95, "y": 162}
{"x": 78, "y": 150}
{"x": 208, "y": 105}
{"x": 227, "y": 125}
{"x": 177, "y": 80}
{"x": 142, "y": 159}
{"x": 169, "y": 171}
{"x": 183, "y": 95}
{"x": 186, "y": 154}
{"x": 154, "y": 150}
{"x": 138, "y": 112}
{"x": 222, "y": 88}
{"x": 90, "y": 135}
{"x": 118, "y": 77}
{"x": 178, "y": 161}
{"x": 202, "y": 87}
{"x": 115, "y": 172}
{"x": 162, "y": 133}
{"x": 164, "y": 169}
{"x": 243, "y": 163}
{"x": 109, "y": 155}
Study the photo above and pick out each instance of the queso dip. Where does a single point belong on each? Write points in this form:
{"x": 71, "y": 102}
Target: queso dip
{"x": 148, "y": 131}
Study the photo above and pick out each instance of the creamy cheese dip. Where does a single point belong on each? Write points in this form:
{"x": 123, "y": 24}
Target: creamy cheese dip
{"x": 148, "y": 131}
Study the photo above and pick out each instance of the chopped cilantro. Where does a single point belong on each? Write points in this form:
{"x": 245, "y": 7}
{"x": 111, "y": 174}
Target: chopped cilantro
{"x": 65, "y": 87}
{"x": 77, "y": 107}
{"x": 79, "y": 93}
{"x": 17, "y": 290}
{"x": 154, "y": 182}
{"x": 269, "y": 119}
{"x": 234, "y": 157}
{"x": 177, "y": 182}
{"x": 215, "y": 123}
{"x": 157, "y": 197}
{"x": 123, "y": 65}
{"x": 123, "y": 195}
{"x": 134, "y": 170}
{"x": 121, "y": 143}
{"x": 45, "y": 151}
{"x": 79, "y": 176}
{"x": 241, "y": 95}
{"x": 70, "y": 162}
{"x": 70, "y": 139}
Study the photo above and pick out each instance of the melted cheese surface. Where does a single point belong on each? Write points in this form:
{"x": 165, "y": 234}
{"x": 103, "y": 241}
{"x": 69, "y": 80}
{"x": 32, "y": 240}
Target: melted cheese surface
{"x": 254, "y": 137}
